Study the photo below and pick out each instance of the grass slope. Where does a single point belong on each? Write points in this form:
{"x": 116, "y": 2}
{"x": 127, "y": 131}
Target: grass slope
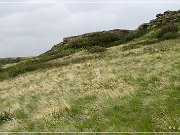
{"x": 122, "y": 89}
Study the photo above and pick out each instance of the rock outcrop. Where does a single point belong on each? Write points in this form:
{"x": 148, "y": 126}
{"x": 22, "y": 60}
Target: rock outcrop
{"x": 166, "y": 17}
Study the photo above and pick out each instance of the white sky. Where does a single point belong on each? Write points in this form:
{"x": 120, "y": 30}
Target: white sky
{"x": 28, "y": 29}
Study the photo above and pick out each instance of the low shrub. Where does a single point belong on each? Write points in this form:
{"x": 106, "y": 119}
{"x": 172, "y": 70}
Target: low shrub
{"x": 150, "y": 50}
{"x": 1, "y": 69}
{"x": 169, "y": 28}
{"x": 5, "y": 116}
{"x": 4, "y": 61}
{"x": 134, "y": 35}
{"x": 149, "y": 42}
{"x": 127, "y": 54}
{"x": 156, "y": 49}
{"x": 169, "y": 35}
{"x": 168, "y": 31}
{"x": 55, "y": 56}
{"x": 130, "y": 46}
{"x": 60, "y": 52}
{"x": 100, "y": 39}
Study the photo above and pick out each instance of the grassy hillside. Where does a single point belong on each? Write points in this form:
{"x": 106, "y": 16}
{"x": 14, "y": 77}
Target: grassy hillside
{"x": 97, "y": 83}
{"x": 117, "y": 90}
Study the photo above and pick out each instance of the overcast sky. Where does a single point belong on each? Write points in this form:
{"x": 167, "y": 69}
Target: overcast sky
{"x": 28, "y": 29}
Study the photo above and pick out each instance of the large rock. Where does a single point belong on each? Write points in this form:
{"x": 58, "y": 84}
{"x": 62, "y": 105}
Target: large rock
{"x": 166, "y": 17}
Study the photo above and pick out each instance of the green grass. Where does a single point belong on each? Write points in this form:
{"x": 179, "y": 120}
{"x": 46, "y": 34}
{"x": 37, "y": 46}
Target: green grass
{"x": 120, "y": 90}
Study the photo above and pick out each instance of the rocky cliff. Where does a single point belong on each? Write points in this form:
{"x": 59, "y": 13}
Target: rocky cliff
{"x": 166, "y": 17}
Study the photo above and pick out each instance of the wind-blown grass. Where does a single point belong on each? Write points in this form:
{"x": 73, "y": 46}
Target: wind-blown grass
{"x": 131, "y": 90}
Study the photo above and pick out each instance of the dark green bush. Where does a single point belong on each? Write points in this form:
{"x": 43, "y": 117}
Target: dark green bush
{"x": 103, "y": 39}
{"x": 96, "y": 49}
{"x": 29, "y": 65}
{"x": 134, "y": 34}
{"x": 61, "y": 54}
{"x": 149, "y": 42}
{"x": 167, "y": 31}
{"x": 5, "y": 116}
{"x": 78, "y": 43}
{"x": 11, "y": 60}
{"x": 169, "y": 28}
{"x": 169, "y": 35}
{"x": 1, "y": 69}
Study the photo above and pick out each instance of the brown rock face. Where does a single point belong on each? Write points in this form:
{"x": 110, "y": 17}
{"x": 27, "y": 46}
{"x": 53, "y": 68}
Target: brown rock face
{"x": 166, "y": 17}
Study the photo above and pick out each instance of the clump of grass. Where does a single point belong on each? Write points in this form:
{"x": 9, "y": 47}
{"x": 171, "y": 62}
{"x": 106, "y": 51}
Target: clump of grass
{"x": 150, "y": 50}
{"x": 128, "y": 54}
{"x": 76, "y": 108}
{"x": 156, "y": 49}
{"x": 169, "y": 28}
{"x": 130, "y": 46}
{"x": 5, "y": 116}
{"x": 169, "y": 35}
{"x": 150, "y": 42}
{"x": 21, "y": 114}
{"x": 78, "y": 105}
{"x": 96, "y": 49}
